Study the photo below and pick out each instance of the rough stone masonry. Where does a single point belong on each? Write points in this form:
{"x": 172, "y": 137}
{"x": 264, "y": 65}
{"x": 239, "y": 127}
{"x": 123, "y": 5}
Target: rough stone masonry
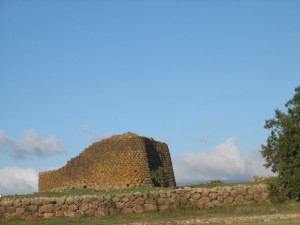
{"x": 121, "y": 161}
{"x": 131, "y": 203}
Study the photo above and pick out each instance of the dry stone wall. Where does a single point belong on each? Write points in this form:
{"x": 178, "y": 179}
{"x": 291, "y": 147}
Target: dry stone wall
{"x": 121, "y": 161}
{"x": 133, "y": 203}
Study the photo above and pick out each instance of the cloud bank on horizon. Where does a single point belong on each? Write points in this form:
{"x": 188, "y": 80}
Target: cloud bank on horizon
{"x": 14, "y": 180}
{"x": 224, "y": 162}
{"x": 30, "y": 145}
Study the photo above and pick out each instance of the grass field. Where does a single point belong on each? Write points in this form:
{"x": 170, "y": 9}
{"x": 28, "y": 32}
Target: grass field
{"x": 253, "y": 209}
{"x": 78, "y": 192}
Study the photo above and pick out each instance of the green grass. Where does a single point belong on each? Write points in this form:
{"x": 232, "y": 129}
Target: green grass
{"x": 253, "y": 209}
{"x": 223, "y": 184}
{"x": 79, "y": 192}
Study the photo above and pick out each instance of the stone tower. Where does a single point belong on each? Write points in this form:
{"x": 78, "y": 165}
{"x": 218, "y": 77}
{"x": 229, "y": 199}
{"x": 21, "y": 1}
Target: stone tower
{"x": 121, "y": 161}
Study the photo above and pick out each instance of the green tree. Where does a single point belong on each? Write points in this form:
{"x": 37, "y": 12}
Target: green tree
{"x": 159, "y": 176}
{"x": 282, "y": 150}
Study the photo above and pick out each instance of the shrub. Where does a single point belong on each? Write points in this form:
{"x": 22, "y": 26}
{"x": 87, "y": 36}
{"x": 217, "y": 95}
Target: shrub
{"x": 277, "y": 192}
{"x": 158, "y": 176}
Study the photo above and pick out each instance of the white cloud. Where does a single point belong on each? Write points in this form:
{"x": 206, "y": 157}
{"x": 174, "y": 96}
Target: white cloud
{"x": 15, "y": 180}
{"x": 225, "y": 162}
{"x": 30, "y": 145}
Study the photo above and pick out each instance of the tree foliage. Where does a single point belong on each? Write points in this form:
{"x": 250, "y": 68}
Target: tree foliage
{"x": 159, "y": 176}
{"x": 282, "y": 150}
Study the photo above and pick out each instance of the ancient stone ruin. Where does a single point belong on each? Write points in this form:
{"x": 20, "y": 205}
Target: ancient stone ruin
{"x": 121, "y": 161}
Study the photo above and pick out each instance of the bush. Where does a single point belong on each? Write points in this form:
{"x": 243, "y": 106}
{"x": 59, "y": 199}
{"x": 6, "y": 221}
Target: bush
{"x": 158, "y": 176}
{"x": 277, "y": 192}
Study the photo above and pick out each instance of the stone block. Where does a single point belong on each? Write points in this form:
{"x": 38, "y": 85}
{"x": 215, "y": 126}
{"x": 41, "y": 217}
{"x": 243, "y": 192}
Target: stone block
{"x": 220, "y": 198}
{"x": 228, "y": 200}
{"x": 213, "y": 195}
{"x": 7, "y": 203}
{"x": 138, "y": 209}
{"x": 150, "y": 208}
{"x": 64, "y": 207}
{"x": 139, "y": 201}
{"x": 17, "y": 203}
{"x": 127, "y": 211}
{"x": 32, "y": 208}
{"x": 10, "y": 209}
{"x": 59, "y": 214}
{"x": 69, "y": 214}
{"x": 60, "y": 201}
{"x": 69, "y": 200}
{"x": 72, "y": 208}
{"x": 26, "y": 202}
{"x": 20, "y": 210}
{"x": 89, "y": 212}
{"x": 196, "y": 196}
{"x": 46, "y": 209}
{"x": 88, "y": 199}
{"x": 239, "y": 199}
{"x": 119, "y": 205}
{"x": 48, "y": 215}
{"x": 84, "y": 207}
{"x": 234, "y": 193}
{"x": 204, "y": 200}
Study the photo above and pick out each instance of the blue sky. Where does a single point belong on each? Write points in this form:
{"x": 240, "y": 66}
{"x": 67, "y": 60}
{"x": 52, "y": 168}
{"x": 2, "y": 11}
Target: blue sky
{"x": 202, "y": 76}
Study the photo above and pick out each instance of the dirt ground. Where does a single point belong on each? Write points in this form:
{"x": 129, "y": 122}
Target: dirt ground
{"x": 226, "y": 220}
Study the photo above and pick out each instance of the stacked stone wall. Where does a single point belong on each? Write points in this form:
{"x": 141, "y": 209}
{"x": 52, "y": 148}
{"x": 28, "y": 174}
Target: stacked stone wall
{"x": 123, "y": 161}
{"x": 133, "y": 203}
{"x": 262, "y": 178}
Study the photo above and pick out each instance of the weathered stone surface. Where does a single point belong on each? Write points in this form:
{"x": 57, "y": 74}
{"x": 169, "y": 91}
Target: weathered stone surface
{"x": 121, "y": 161}
{"x": 37, "y": 202}
{"x": 46, "y": 209}
{"x": 84, "y": 207}
{"x": 138, "y": 209}
{"x": 64, "y": 207}
{"x": 233, "y": 193}
{"x": 61, "y": 201}
{"x": 139, "y": 201}
{"x": 204, "y": 200}
{"x": 213, "y": 195}
{"x": 7, "y": 203}
{"x": 119, "y": 205}
{"x": 228, "y": 200}
{"x": 88, "y": 199}
{"x": 31, "y": 208}
{"x": 220, "y": 198}
{"x": 150, "y": 208}
{"x": 72, "y": 208}
{"x": 17, "y": 203}
{"x": 89, "y": 212}
{"x": 26, "y": 202}
{"x": 163, "y": 208}
{"x": 56, "y": 208}
{"x": 241, "y": 190}
{"x": 196, "y": 196}
{"x": 48, "y": 215}
{"x": 131, "y": 203}
{"x": 20, "y": 210}
{"x": 78, "y": 214}
{"x": 101, "y": 212}
{"x": 127, "y": 211}
{"x": 59, "y": 214}
{"x": 69, "y": 214}
{"x": 240, "y": 199}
